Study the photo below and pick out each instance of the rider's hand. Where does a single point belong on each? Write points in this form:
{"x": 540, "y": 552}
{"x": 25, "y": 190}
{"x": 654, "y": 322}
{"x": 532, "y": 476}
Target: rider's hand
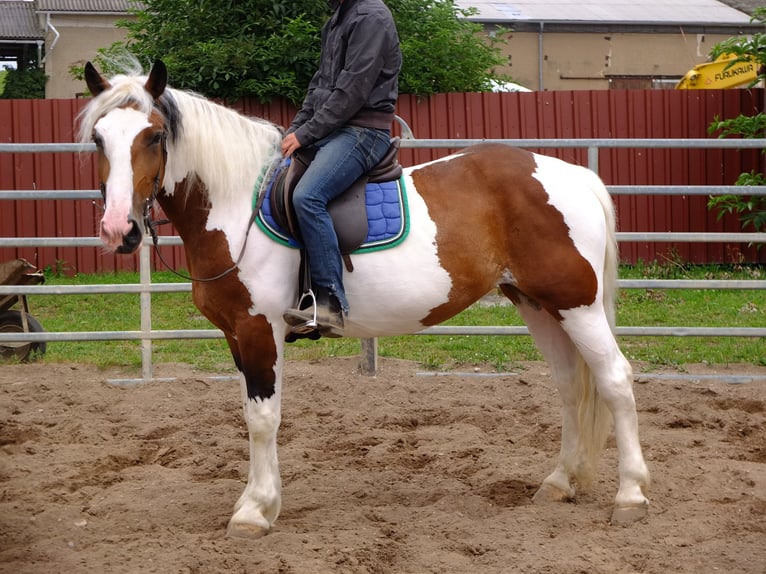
{"x": 290, "y": 143}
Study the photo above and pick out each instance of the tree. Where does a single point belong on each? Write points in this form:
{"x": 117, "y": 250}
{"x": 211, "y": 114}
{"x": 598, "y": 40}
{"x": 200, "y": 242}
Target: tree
{"x": 442, "y": 51}
{"x": 24, "y": 83}
{"x": 266, "y": 49}
{"x": 233, "y": 48}
{"x": 750, "y": 209}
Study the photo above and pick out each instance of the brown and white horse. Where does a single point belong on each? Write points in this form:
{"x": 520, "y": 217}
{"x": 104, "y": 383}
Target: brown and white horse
{"x": 490, "y": 216}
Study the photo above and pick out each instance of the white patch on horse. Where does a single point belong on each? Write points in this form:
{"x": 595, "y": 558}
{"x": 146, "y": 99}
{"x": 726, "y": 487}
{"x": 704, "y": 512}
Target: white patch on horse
{"x": 390, "y": 291}
{"x": 572, "y": 191}
{"x": 261, "y": 271}
{"x": 117, "y": 130}
{"x": 260, "y": 502}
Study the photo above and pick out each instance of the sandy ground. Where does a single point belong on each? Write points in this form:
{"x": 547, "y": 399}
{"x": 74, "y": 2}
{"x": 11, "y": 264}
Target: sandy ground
{"x": 400, "y": 473}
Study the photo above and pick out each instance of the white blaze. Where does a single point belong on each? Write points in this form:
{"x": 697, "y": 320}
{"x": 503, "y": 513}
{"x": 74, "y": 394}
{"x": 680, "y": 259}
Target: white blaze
{"x": 117, "y": 130}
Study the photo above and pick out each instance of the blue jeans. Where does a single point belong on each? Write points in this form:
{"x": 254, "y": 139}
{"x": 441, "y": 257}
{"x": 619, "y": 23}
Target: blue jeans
{"x": 341, "y": 158}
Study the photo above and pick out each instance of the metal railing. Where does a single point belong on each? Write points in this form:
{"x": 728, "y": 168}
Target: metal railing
{"x": 369, "y": 347}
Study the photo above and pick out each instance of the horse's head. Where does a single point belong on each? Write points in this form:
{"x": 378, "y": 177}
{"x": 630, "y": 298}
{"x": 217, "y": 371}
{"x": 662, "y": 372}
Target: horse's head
{"x": 128, "y": 125}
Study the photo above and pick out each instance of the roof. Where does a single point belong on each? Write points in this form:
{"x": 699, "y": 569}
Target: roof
{"x": 18, "y": 21}
{"x": 708, "y": 12}
{"x": 747, "y": 6}
{"x": 86, "y": 6}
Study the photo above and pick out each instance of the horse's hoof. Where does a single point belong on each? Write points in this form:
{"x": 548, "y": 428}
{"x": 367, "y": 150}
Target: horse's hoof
{"x": 548, "y": 493}
{"x": 243, "y": 530}
{"x": 624, "y": 515}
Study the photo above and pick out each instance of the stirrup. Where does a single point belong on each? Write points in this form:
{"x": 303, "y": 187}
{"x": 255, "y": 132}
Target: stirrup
{"x": 306, "y": 326}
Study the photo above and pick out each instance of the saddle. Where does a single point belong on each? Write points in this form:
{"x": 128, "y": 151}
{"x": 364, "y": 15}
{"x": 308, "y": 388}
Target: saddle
{"x": 348, "y": 211}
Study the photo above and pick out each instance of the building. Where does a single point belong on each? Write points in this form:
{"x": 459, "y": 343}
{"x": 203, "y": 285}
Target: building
{"x": 602, "y": 44}
{"x": 68, "y": 33}
{"x": 747, "y": 6}
{"x": 21, "y": 38}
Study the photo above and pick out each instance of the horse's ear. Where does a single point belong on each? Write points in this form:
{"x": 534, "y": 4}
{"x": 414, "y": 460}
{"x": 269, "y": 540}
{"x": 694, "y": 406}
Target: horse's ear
{"x": 158, "y": 79}
{"x": 96, "y": 82}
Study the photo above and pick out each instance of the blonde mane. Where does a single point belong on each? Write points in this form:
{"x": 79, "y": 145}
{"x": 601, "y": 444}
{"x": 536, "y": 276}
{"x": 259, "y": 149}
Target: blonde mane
{"x": 206, "y": 141}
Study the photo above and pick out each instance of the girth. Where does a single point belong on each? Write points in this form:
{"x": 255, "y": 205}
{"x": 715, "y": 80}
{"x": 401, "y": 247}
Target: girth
{"x": 348, "y": 210}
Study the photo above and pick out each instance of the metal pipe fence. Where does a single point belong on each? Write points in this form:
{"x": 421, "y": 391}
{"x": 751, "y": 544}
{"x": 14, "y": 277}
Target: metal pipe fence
{"x": 145, "y": 288}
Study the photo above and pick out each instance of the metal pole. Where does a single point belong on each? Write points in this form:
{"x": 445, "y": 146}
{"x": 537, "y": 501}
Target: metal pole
{"x": 593, "y": 159}
{"x": 540, "y": 58}
{"x": 368, "y": 364}
{"x": 145, "y": 276}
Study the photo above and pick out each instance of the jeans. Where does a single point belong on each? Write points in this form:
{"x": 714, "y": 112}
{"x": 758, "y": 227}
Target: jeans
{"x": 341, "y": 158}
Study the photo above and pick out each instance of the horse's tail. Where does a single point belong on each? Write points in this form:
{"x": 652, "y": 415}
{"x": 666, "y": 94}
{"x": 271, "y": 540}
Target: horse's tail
{"x": 594, "y": 418}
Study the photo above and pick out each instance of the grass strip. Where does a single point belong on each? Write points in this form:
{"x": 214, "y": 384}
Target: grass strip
{"x": 636, "y": 307}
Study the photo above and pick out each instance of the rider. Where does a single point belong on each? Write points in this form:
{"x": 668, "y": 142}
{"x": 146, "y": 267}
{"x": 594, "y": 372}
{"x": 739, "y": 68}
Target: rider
{"x": 345, "y": 120}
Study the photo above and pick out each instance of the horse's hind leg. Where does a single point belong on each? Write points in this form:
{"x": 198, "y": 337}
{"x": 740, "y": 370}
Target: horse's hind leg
{"x": 565, "y": 345}
{"x": 561, "y": 356}
{"x": 613, "y": 376}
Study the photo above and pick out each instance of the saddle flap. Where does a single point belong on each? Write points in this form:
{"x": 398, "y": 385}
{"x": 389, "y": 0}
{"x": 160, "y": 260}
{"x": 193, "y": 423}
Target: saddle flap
{"x": 281, "y": 198}
{"x": 349, "y": 216}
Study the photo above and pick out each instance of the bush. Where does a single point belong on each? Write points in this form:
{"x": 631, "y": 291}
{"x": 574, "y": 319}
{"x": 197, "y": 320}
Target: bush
{"x": 24, "y": 84}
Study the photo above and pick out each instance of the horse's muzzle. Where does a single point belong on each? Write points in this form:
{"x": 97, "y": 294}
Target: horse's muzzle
{"x": 132, "y": 239}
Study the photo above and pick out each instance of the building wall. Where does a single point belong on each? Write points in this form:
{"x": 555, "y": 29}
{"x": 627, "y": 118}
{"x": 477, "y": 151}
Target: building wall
{"x": 79, "y": 39}
{"x": 587, "y": 61}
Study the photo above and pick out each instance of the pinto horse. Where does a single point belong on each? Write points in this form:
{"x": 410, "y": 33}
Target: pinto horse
{"x": 490, "y": 216}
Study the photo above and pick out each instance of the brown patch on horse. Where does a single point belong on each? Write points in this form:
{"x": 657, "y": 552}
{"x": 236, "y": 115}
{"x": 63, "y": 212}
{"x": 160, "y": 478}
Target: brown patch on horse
{"x": 520, "y": 232}
{"x": 225, "y": 302}
{"x": 146, "y": 166}
{"x": 148, "y": 160}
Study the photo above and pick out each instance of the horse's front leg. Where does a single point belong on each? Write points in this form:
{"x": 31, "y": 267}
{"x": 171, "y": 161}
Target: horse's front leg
{"x": 258, "y": 356}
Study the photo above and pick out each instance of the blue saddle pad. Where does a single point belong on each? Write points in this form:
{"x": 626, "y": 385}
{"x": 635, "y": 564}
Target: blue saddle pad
{"x": 387, "y": 217}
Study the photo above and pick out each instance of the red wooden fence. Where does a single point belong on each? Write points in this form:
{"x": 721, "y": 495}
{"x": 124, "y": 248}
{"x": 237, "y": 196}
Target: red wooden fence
{"x": 587, "y": 114}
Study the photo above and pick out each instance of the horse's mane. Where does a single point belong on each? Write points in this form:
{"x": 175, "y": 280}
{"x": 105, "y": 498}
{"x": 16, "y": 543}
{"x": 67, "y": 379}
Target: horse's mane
{"x": 206, "y": 141}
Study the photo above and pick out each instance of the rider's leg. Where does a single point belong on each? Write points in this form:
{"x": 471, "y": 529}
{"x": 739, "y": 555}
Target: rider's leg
{"x": 341, "y": 159}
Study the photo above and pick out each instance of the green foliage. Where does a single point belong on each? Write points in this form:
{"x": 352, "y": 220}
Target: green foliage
{"x": 24, "y": 84}
{"x": 230, "y": 49}
{"x": 441, "y": 50}
{"x": 267, "y": 49}
{"x": 745, "y": 126}
{"x": 750, "y": 209}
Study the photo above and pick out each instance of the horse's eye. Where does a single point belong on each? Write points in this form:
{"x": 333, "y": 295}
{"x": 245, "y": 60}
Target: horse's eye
{"x": 156, "y": 139}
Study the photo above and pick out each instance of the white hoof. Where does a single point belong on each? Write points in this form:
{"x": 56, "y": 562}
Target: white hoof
{"x": 625, "y": 515}
{"x": 246, "y": 530}
{"x": 548, "y": 493}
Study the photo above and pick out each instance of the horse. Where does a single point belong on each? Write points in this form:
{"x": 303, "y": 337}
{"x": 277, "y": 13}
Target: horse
{"x": 489, "y": 217}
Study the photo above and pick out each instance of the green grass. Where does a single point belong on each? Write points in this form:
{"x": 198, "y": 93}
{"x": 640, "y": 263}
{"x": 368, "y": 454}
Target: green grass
{"x": 636, "y": 307}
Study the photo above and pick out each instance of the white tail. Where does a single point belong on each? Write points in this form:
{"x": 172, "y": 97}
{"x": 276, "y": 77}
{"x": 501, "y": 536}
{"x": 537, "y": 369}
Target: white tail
{"x": 594, "y": 418}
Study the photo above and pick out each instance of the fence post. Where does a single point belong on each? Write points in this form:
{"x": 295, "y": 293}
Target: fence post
{"x": 145, "y": 277}
{"x": 368, "y": 364}
{"x": 593, "y": 158}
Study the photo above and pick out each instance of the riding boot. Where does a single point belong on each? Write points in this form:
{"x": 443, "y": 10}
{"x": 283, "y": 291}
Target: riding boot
{"x": 325, "y": 315}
